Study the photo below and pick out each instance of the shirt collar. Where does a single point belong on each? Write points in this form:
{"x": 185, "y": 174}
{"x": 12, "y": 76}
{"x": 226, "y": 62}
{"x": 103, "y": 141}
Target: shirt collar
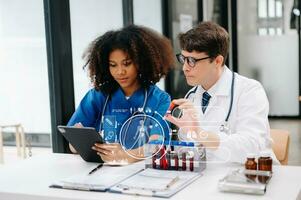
{"x": 136, "y": 99}
{"x": 222, "y": 86}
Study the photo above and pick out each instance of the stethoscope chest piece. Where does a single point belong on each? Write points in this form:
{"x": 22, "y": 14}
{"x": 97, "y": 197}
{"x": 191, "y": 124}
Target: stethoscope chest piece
{"x": 224, "y": 127}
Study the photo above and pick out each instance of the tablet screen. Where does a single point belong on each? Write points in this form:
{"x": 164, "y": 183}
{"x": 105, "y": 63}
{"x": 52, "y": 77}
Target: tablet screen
{"x": 82, "y": 139}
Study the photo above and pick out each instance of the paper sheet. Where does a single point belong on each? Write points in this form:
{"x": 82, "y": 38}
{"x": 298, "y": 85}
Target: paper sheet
{"x": 155, "y": 182}
{"x": 103, "y": 178}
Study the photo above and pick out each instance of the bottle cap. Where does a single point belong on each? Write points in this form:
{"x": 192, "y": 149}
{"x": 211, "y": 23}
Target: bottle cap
{"x": 190, "y": 154}
{"x": 265, "y": 154}
{"x": 171, "y": 107}
{"x": 250, "y": 155}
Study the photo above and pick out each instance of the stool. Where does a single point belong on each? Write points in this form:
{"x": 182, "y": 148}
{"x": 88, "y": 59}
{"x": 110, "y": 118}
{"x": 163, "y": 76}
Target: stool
{"x": 20, "y": 140}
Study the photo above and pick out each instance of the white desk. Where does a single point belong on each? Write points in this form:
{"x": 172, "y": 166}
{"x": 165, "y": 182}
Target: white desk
{"x": 29, "y": 180}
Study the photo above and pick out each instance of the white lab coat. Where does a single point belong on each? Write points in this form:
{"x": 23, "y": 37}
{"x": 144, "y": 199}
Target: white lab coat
{"x": 248, "y": 121}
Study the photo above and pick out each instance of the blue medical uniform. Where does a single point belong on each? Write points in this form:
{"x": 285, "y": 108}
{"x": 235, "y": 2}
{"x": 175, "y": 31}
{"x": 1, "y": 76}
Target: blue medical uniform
{"x": 118, "y": 108}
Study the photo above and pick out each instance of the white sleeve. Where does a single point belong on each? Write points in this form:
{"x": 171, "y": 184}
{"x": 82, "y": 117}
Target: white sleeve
{"x": 252, "y": 132}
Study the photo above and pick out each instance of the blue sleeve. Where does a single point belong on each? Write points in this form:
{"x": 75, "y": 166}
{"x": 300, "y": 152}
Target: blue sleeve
{"x": 88, "y": 110}
{"x": 163, "y": 105}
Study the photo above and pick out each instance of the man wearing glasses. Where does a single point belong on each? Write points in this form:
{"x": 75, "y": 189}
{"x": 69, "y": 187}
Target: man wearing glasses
{"x": 224, "y": 111}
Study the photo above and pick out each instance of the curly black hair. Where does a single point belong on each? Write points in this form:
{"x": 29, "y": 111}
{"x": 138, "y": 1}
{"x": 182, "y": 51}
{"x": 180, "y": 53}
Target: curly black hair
{"x": 150, "y": 51}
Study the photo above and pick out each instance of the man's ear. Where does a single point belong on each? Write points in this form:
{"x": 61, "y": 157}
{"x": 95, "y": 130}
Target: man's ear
{"x": 219, "y": 60}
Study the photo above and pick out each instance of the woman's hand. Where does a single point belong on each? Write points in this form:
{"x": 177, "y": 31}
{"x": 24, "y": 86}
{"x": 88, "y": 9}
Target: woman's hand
{"x": 111, "y": 153}
{"x": 72, "y": 149}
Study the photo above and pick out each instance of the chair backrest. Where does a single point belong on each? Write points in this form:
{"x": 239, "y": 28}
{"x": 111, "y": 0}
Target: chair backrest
{"x": 281, "y": 140}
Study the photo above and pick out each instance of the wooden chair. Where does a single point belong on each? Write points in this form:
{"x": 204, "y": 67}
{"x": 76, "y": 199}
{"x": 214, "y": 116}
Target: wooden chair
{"x": 280, "y": 146}
{"x": 20, "y": 140}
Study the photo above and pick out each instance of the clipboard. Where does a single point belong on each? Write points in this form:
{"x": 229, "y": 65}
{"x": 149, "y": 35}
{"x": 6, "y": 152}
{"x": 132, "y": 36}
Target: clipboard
{"x": 100, "y": 181}
{"x": 117, "y": 180}
{"x": 156, "y": 183}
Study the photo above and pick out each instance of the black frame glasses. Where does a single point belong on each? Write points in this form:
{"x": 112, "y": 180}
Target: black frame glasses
{"x": 190, "y": 60}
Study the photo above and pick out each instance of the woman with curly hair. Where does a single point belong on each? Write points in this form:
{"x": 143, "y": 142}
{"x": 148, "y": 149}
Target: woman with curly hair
{"x": 124, "y": 66}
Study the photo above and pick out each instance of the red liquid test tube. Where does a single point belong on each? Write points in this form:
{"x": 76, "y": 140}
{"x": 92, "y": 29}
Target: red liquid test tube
{"x": 163, "y": 161}
{"x": 176, "y": 158}
{"x": 191, "y": 163}
{"x": 168, "y": 159}
{"x": 184, "y": 161}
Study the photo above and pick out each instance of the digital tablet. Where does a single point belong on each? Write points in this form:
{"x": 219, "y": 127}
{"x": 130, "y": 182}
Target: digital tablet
{"x": 82, "y": 139}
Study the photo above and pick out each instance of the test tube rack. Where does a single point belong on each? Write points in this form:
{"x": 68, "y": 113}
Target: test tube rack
{"x": 175, "y": 155}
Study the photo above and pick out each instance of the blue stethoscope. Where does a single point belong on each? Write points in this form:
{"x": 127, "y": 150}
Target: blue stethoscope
{"x": 140, "y": 110}
{"x": 225, "y": 125}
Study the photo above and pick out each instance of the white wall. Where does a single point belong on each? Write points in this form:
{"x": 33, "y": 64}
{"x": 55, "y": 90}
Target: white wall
{"x": 90, "y": 19}
{"x": 207, "y": 10}
{"x": 274, "y": 57}
{"x": 149, "y": 13}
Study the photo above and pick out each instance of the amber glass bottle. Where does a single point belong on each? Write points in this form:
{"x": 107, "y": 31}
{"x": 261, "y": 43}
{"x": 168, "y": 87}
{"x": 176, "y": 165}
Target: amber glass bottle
{"x": 251, "y": 164}
{"x": 265, "y": 163}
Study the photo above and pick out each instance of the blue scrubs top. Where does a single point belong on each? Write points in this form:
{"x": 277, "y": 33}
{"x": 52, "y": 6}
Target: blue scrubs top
{"x": 119, "y": 109}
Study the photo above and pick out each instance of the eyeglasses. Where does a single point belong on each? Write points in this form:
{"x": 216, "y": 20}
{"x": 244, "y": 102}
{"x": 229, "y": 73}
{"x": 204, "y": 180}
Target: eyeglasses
{"x": 190, "y": 60}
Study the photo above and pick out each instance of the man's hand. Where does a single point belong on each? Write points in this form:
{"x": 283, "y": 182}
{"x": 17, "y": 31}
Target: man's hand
{"x": 190, "y": 119}
{"x": 190, "y": 125}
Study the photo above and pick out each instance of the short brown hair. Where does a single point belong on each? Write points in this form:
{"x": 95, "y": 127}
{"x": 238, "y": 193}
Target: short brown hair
{"x": 207, "y": 37}
{"x": 150, "y": 51}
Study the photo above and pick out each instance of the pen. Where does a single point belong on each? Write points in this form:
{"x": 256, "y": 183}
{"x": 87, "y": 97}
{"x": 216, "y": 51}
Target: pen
{"x": 96, "y": 168}
{"x": 173, "y": 181}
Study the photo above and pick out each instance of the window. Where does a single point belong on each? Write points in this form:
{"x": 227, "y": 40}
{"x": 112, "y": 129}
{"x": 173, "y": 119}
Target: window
{"x": 270, "y": 20}
{"x": 23, "y": 66}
